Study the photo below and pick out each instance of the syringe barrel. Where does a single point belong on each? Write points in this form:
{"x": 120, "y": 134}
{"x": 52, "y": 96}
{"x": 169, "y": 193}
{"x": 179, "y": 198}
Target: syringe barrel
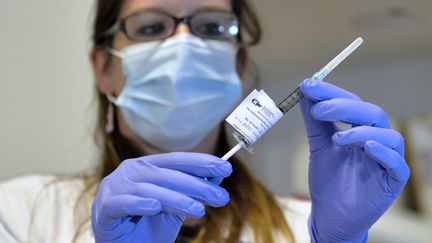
{"x": 290, "y": 101}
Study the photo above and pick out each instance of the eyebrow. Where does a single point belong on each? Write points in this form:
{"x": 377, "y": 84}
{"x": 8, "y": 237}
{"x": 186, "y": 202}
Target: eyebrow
{"x": 153, "y": 9}
{"x": 213, "y": 8}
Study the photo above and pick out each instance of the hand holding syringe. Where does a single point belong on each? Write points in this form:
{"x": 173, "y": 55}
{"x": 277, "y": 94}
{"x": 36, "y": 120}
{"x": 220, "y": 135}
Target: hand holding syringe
{"x": 270, "y": 117}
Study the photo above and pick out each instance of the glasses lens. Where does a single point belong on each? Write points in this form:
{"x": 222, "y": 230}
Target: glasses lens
{"x": 148, "y": 26}
{"x": 215, "y": 25}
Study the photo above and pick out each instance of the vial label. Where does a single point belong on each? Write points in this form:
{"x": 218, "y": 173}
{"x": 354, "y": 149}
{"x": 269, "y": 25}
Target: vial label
{"x": 254, "y": 116}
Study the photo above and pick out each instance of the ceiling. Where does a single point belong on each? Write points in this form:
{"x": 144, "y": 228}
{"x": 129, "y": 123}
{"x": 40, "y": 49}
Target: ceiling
{"x": 296, "y": 32}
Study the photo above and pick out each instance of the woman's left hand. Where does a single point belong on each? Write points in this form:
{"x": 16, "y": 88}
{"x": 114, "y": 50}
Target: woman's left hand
{"x": 354, "y": 174}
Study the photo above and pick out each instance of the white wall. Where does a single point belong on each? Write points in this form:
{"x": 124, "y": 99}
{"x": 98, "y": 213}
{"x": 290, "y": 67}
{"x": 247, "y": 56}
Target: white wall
{"x": 46, "y": 86}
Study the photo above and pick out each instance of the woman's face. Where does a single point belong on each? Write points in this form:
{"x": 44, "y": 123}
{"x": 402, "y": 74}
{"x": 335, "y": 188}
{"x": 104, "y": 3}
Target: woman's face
{"x": 178, "y": 8}
{"x": 110, "y": 78}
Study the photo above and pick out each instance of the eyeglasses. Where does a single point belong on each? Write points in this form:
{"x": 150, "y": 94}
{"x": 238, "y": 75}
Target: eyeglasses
{"x": 156, "y": 25}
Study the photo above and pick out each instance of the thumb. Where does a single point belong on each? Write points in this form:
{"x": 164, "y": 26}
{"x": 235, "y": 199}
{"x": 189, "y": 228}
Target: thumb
{"x": 319, "y": 133}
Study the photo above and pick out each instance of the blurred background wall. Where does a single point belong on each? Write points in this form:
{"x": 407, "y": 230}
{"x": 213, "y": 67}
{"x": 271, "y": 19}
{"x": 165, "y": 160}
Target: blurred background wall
{"x": 47, "y": 92}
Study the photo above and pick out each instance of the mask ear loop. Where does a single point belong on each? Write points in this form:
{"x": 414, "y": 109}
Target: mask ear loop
{"x": 109, "y": 125}
{"x": 115, "y": 52}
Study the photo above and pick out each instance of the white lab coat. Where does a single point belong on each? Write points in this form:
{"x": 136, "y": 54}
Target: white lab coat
{"x": 55, "y": 218}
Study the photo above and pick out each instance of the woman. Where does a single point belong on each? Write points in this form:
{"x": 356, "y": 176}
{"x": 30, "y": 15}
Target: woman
{"x": 168, "y": 73}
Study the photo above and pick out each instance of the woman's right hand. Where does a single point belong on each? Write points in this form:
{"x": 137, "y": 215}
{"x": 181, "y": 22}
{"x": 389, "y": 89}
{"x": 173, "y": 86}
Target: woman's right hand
{"x": 146, "y": 199}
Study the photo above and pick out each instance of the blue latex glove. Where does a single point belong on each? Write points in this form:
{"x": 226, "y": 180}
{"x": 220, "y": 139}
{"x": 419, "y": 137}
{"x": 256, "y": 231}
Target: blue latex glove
{"x": 146, "y": 199}
{"x": 354, "y": 174}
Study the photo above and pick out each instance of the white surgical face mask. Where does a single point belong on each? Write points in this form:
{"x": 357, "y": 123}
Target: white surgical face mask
{"x": 178, "y": 90}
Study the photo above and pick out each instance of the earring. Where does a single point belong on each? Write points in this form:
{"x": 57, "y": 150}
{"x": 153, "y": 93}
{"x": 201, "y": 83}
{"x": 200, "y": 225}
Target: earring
{"x": 109, "y": 126}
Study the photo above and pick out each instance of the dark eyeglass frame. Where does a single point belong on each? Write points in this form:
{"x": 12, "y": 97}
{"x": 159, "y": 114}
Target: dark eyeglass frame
{"x": 120, "y": 25}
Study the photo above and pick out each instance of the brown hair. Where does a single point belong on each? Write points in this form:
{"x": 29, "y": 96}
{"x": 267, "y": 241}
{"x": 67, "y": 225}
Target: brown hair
{"x": 250, "y": 202}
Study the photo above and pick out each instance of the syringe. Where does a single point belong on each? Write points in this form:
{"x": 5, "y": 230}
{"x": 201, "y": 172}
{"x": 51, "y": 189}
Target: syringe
{"x": 293, "y": 98}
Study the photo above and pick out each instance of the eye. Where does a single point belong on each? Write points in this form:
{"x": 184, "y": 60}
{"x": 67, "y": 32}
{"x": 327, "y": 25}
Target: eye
{"x": 211, "y": 29}
{"x": 150, "y": 29}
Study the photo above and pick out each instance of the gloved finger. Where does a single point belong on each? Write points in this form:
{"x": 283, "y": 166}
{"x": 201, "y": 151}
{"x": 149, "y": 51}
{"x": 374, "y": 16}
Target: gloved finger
{"x": 319, "y": 132}
{"x": 360, "y": 135}
{"x": 216, "y": 180}
{"x": 171, "y": 201}
{"x": 350, "y": 111}
{"x": 191, "y": 186}
{"x": 392, "y": 161}
{"x": 198, "y": 164}
{"x": 318, "y": 90}
{"x": 119, "y": 206}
